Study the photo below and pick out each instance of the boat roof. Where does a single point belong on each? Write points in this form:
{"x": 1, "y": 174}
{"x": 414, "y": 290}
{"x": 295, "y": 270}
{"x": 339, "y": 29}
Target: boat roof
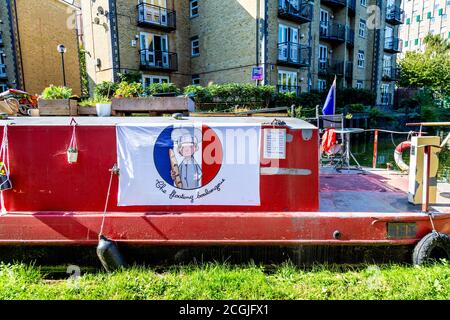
{"x": 292, "y": 123}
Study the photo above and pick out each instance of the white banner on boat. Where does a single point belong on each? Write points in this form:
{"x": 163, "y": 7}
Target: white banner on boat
{"x": 189, "y": 164}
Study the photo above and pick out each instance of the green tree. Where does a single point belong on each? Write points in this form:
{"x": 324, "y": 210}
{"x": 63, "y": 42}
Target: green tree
{"x": 429, "y": 69}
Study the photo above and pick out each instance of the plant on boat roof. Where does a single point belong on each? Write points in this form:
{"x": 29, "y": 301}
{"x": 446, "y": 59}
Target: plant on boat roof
{"x": 129, "y": 90}
{"x": 56, "y": 92}
{"x": 91, "y": 102}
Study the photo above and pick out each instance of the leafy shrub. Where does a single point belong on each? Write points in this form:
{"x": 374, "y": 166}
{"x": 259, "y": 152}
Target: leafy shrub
{"x": 105, "y": 89}
{"x": 56, "y": 92}
{"x": 156, "y": 88}
{"x": 199, "y": 93}
{"x": 129, "y": 77}
{"x": 129, "y": 90}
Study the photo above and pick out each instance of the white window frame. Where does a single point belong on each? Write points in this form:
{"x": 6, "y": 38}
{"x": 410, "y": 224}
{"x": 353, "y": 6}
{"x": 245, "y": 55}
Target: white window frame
{"x": 361, "y": 59}
{"x": 291, "y": 80}
{"x": 3, "y": 87}
{"x": 192, "y": 8}
{"x": 196, "y": 79}
{"x": 321, "y": 85}
{"x": 363, "y": 3}
{"x": 151, "y": 79}
{"x": 359, "y": 84}
{"x": 362, "y": 28}
{"x": 2, "y": 63}
{"x": 195, "y": 47}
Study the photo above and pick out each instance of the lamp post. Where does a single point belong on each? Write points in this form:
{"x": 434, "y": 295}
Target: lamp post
{"x": 62, "y": 49}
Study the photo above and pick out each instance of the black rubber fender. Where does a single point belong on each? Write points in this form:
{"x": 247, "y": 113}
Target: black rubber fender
{"x": 434, "y": 245}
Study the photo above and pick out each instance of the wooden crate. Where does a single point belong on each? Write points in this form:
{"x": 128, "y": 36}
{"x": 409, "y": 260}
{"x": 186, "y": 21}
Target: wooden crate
{"x": 58, "y": 107}
{"x": 87, "y": 111}
{"x": 152, "y": 105}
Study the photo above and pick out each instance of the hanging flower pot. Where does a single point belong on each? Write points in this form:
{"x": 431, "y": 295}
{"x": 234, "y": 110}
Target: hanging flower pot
{"x": 5, "y": 182}
{"x": 72, "y": 151}
{"x": 72, "y": 155}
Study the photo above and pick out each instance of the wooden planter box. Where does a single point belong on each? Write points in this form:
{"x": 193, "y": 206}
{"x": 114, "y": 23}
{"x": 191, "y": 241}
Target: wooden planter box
{"x": 152, "y": 105}
{"x": 58, "y": 107}
{"x": 87, "y": 111}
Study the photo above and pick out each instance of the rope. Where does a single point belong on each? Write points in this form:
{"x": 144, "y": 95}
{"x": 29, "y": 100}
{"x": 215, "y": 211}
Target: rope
{"x": 73, "y": 140}
{"x": 106, "y": 205}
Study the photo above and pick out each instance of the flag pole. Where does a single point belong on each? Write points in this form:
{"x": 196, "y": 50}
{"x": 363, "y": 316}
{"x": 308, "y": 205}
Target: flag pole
{"x": 334, "y": 100}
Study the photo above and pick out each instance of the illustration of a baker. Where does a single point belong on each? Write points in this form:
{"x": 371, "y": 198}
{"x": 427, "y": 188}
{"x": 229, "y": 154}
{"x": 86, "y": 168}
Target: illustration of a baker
{"x": 186, "y": 175}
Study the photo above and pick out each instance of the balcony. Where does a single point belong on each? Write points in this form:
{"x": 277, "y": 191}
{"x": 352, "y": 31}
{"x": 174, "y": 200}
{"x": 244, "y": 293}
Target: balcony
{"x": 286, "y": 88}
{"x": 158, "y": 60}
{"x": 156, "y": 17}
{"x": 299, "y": 11}
{"x": 349, "y": 70}
{"x": 335, "y": 3}
{"x": 293, "y": 54}
{"x": 333, "y": 32}
{"x": 331, "y": 67}
{"x": 386, "y": 99}
{"x": 393, "y": 45}
{"x": 390, "y": 74}
{"x": 350, "y": 39}
{"x": 395, "y": 15}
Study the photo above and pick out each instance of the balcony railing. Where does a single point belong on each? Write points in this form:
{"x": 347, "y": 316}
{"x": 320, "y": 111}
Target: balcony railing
{"x": 351, "y": 6}
{"x": 158, "y": 60}
{"x": 156, "y": 17}
{"x": 296, "y": 10}
{"x": 349, "y": 70}
{"x": 285, "y": 88}
{"x": 395, "y": 15}
{"x": 391, "y": 73}
{"x": 350, "y": 37}
{"x": 332, "y": 31}
{"x": 335, "y": 3}
{"x": 331, "y": 67}
{"x": 393, "y": 45}
{"x": 294, "y": 54}
{"x": 386, "y": 98}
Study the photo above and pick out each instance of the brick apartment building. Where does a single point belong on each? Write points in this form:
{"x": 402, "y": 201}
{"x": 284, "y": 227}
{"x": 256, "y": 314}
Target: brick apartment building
{"x": 30, "y": 31}
{"x": 421, "y": 18}
{"x": 301, "y": 44}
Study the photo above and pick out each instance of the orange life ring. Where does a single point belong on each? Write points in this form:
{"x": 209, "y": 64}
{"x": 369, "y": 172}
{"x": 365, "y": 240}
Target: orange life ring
{"x": 398, "y": 155}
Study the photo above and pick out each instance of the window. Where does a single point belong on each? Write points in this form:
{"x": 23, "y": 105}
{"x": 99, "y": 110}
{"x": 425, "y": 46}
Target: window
{"x": 193, "y": 8}
{"x": 2, "y": 64}
{"x": 361, "y": 59}
{"x": 363, "y": 3}
{"x": 362, "y": 28}
{"x": 359, "y": 84}
{"x": 429, "y": 15}
{"x": 408, "y": 21}
{"x": 3, "y": 87}
{"x": 195, "y": 46}
{"x": 287, "y": 81}
{"x": 321, "y": 85}
{"x": 418, "y": 18}
{"x": 406, "y": 43}
{"x": 196, "y": 79}
{"x": 441, "y": 12}
{"x": 416, "y": 42}
{"x": 149, "y": 79}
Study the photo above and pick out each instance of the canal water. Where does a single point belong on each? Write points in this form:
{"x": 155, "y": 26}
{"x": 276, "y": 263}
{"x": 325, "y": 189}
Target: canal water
{"x": 362, "y": 149}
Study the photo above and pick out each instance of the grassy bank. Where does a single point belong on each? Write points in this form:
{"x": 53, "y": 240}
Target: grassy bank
{"x": 219, "y": 281}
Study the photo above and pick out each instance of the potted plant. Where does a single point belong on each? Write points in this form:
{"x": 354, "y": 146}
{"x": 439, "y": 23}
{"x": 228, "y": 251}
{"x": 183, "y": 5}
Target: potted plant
{"x": 5, "y": 182}
{"x": 103, "y": 106}
{"x": 56, "y": 101}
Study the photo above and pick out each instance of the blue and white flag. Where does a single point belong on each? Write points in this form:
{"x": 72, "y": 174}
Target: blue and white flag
{"x": 329, "y": 107}
{"x": 188, "y": 164}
